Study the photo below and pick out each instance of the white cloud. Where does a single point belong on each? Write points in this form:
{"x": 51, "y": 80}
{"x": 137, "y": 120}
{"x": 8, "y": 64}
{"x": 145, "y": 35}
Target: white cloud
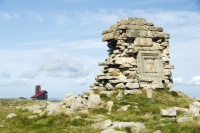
{"x": 69, "y": 45}
{"x": 5, "y": 75}
{"x": 103, "y": 16}
{"x": 60, "y": 19}
{"x": 194, "y": 80}
{"x": 81, "y": 81}
{"x": 7, "y": 16}
{"x": 178, "y": 80}
{"x": 15, "y": 83}
{"x": 84, "y": 45}
{"x": 63, "y": 65}
{"x": 29, "y": 74}
{"x": 36, "y": 16}
{"x": 42, "y": 42}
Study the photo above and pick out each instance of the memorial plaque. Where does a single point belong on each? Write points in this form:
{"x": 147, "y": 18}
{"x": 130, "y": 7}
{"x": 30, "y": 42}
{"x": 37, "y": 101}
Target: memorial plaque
{"x": 150, "y": 66}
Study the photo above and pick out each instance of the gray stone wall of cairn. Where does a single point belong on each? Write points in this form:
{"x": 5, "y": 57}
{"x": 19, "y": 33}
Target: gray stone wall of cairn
{"x": 138, "y": 57}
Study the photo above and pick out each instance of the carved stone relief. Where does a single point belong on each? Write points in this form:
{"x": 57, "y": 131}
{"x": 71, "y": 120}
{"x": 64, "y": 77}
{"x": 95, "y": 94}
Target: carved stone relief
{"x": 150, "y": 66}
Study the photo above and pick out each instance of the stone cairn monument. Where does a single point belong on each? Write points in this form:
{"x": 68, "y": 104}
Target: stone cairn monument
{"x": 138, "y": 58}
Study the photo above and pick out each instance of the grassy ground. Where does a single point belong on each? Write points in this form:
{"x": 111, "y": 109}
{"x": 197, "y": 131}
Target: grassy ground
{"x": 141, "y": 109}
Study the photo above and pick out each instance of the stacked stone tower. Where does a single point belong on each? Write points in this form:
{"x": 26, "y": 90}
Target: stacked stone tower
{"x": 138, "y": 57}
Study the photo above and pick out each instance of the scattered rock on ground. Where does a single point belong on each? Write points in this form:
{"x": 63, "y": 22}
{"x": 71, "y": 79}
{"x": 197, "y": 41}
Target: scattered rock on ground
{"x": 38, "y": 111}
{"x": 94, "y": 101}
{"x": 184, "y": 119}
{"x": 157, "y": 131}
{"x": 138, "y": 127}
{"x": 194, "y": 108}
{"x": 11, "y": 115}
{"x": 102, "y": 125}
{"x": 111, "y": 130}
{"x": 32, "y": 117}
{"x": 124, "y": 108}
{"x": 109, "y": 106}
{"x": 170, "y": 112}
{"x": 55, "y": 108}
{"x": 134, "y": 127}
{"x": 119, "y": 95}
{"x": 32, "y": 108}
{"x": 2, "y": 126}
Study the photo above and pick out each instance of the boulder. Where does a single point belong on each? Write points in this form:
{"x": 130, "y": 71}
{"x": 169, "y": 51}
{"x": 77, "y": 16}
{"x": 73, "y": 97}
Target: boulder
{"x": 79, "y": 104}
{"x": 184, "y": 119}
{"x": 32, "y": 117}
{"x": 69, "y": 99}
{"x": 121, "y": 125}
{"x": 170, "y": 112}
{"x": 12, "y": 115}
{"x": 2, "y": 126}
{"x": 138, "y": 127}
{"x": 148, "y": 92}
{"x": 185, "y": 110}
{"x": 102, "y": 125}
{"x": 32, "y": 108}
{"x": 109, "y": 106}
{"x": 194, "y": 109}
{"x": 94, "y": 101}
{"x": 119, "y": 95}
{"x": 38, "y": 111}
{"x": 111, "y": 130}
{"x": 196, "y": 104}
{"x": 157, "y": 131}
{"x": 135, "y": 127}
{"x": 54, "y": 108}
{"x": 124, "y": 108}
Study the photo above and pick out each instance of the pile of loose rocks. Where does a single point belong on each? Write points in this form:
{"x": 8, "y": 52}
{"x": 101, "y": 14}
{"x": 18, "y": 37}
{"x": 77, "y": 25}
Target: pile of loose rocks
{"x": 187, "y": 113}
{"x": 69, "y": 105}
{"x": 138, "y": 57}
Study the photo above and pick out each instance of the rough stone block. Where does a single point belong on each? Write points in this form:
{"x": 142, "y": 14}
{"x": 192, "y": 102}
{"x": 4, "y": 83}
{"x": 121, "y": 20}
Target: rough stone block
{"x": 160, "y": 35}
{"x": 167, "y": 36}
{"x": 132, "y": 85}
{"x": 102, "y": 125}
{"x": 170, "y": 112}
{"x": 120, "y": 85}
{"x": 165, "y": 44}
{"x": 160, "y": 29}
{"x": 184, "y": 119}
{"x": 109, "y": 86}
{"x": 134, "y": 91}
{"x": 166, "y": 51}
{"x": 148, "y": 92}
{"x": 149, "y": 42}
{"x": 150, "y": 24}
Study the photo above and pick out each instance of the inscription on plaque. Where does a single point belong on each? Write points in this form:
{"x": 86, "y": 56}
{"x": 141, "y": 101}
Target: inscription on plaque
{"x": 150, "y": 67}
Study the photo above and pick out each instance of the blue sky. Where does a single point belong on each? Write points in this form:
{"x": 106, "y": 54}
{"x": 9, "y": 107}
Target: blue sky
{"x": 57, "y": 43}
